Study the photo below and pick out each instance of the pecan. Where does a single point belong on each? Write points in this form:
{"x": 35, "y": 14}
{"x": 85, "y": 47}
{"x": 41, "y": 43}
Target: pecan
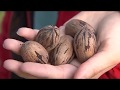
{"x": 63, "y": 52}
{"x": 84, "y": 44}
{"x": 32, "y": 51}
{"x": 48, "y": 37}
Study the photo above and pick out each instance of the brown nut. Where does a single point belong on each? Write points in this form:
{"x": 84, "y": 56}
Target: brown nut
{"x": 75, "y": 25}
{"x": 63, "y": 52}
{"x": 48, "y": 37}
{"x": 84, "y": 44}
{"x": 32, "y": 51}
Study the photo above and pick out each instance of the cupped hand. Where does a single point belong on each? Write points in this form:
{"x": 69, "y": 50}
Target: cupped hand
{"x": 108, "y": 53}
{"x": 35, "y": 70}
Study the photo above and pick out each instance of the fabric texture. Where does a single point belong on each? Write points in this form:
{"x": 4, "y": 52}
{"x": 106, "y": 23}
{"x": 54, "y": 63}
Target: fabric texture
{"x": 114, "y": 73}
{"x": 19, "y": 19}
{"x": 4, "y": 54}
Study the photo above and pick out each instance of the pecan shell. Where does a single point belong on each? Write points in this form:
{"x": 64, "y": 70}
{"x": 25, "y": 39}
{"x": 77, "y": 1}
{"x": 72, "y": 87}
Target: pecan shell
{"x": 84, "y": 44}
{"x": 63, "y": 52}
{"x": 48, "y": 37}
{"x": 32, "y": 51}
{"x": 75, "y": 25}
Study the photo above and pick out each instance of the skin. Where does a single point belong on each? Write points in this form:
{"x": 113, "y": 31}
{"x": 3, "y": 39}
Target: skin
{"x": 107, "y": 25}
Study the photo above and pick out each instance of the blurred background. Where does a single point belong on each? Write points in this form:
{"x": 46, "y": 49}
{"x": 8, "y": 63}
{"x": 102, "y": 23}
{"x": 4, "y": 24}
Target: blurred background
{"x": 11, "y": 21}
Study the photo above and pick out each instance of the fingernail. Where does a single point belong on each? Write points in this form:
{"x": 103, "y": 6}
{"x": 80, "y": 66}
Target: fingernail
{"x": 18, "y": 31}
{"x": 4, "y": 44}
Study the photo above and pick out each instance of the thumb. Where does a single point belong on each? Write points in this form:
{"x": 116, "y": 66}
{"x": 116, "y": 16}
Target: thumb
{"x": 100, "y": 62}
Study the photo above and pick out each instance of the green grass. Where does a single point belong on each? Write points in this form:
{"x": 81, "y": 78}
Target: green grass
{"x": 1, "y": 18}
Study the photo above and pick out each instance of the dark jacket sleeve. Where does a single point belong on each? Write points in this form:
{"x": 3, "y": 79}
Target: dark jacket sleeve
{"x": 20, "y": 19}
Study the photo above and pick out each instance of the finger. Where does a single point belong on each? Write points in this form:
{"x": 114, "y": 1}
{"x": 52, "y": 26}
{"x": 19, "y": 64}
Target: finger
{"x": 49, "y": 71}
{"x": 27, "y": 33}
{"x": 14, "y": 66}
{"x": 12, "y": 45}
{"x": 102, "y": 72}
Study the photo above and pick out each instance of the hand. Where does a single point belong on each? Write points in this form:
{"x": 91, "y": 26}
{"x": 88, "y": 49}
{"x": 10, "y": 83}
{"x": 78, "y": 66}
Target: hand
{"x": 35, "y": 70}
{"x": 107, "y": 25}
{"x": 107, "y": 56}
